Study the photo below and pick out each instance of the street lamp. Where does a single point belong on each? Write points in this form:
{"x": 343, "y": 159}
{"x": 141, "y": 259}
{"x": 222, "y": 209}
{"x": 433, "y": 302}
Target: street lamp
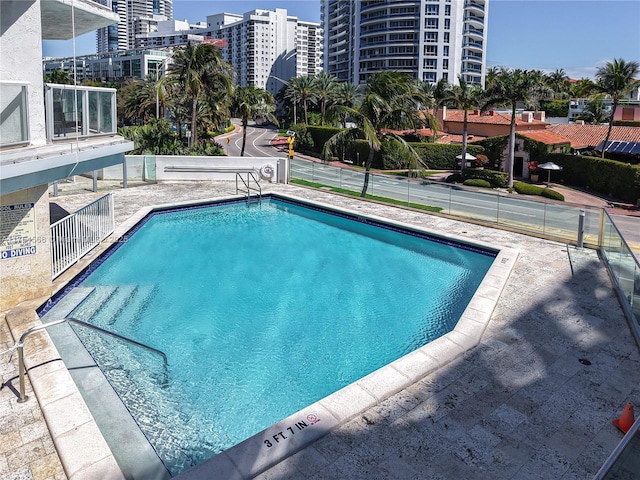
{"x": 295, "y": 116}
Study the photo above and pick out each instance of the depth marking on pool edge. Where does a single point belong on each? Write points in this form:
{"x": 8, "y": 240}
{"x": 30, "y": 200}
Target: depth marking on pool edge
{"x": 301, "y": 425}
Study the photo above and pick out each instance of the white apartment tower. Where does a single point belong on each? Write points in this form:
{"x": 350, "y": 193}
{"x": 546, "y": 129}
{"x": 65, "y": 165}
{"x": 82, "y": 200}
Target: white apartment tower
{"x": 429, "y": 39}
{"x": 137, "y": 17}
{"x": 267, "y": 48}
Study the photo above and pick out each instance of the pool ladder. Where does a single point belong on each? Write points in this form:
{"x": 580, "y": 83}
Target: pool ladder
{"x": 246, "y": 187}
{"x": 20, "y": 347}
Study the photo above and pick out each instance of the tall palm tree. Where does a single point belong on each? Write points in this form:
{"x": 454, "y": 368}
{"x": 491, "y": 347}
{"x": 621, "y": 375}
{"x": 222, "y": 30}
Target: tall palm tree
{"x": 440, "y": 93}
{"x": 388, "y": 104}
{"x": 325, "y": 85}
{"x": 510, "y": 87}
{"x": 302, "y": 89}
{"x": 466, "y": 97}
{"x": 196, "y": 68}
{"x": 616, "y": 79}
{"x": 348, "y": 95}
{"x": 250, "y": 102}
{"x": 558, "y": 83}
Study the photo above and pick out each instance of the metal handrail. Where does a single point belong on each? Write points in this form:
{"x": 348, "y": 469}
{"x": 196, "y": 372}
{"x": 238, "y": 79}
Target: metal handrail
{"x": 247, "y": 186}
{"x": 20, "y": 346}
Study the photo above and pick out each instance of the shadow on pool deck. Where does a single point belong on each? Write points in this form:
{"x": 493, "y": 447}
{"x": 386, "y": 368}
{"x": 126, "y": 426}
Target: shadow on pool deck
{"x": 534, "y": 400}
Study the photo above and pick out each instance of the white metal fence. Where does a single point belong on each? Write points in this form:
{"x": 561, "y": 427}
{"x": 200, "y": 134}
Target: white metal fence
{"x": 73, "y": 236}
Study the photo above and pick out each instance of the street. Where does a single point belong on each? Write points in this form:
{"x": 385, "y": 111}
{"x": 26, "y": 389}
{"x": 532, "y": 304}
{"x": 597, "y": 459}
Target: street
{"x": 543, "y": 217}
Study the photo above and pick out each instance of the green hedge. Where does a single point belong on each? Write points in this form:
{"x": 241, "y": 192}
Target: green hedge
{"x": 320, "y": 135}
{"x": 528, "y": 189}
{"x": 476, "y": 182}
{"x": 495, "y": 178}
{"x": 439, "y": 156}
{"x": 609, "y": 177}
{"x": 547, "y": 192}
{"x": 555, "y": 108}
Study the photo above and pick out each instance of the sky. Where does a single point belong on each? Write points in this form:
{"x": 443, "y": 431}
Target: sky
{"x": 577, "y": 36}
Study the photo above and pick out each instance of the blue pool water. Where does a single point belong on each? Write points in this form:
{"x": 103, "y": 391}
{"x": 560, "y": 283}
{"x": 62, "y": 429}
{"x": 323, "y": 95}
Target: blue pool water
{"x": 261, "y": 311}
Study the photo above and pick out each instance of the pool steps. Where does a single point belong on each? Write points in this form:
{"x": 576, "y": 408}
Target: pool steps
{"x": 123, "y": 435}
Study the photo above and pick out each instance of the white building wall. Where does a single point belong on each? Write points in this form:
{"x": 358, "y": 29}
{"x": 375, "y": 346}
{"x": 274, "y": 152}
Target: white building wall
{"x": 428, "y": 39}
{"x": 20, "y": 40}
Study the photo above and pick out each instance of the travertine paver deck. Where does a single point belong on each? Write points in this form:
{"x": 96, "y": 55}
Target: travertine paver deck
{"x": 26, "y": 448}
{"x": 534, "y": 400}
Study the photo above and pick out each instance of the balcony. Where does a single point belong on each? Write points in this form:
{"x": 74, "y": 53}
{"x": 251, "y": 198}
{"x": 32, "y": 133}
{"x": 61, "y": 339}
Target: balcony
{"x": 474, "y": 5}
{"x": 474, "y": 32}
{"x": 88, "y": 15}
{"x": 474, "y": 19}
{"x": 14, "y": 114}
{"x": 80, "y": 128}
{"x": 472, "y": 45}
{"x": 74, "y": 111}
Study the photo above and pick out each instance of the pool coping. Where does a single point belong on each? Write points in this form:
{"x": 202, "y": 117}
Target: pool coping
{"x": 74, "y": 430}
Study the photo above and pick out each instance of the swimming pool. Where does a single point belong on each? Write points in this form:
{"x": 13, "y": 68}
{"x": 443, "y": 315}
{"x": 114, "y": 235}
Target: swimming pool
{"x": 247, "y": 313}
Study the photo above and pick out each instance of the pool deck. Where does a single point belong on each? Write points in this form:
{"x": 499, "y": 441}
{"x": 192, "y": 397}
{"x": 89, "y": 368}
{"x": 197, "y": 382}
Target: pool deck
{"x": 534, "y": 399}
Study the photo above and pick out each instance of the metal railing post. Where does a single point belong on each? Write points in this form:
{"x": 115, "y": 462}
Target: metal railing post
{"x": 581, "y": 229}
{"x": 23, "y": 397}
{"x": 124, "y": 172}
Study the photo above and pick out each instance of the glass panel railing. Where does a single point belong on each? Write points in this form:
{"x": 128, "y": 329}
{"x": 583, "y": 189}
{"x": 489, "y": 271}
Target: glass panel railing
{"x": 546, "y": 218}
{"x": 625, "y": 270}
{"x": 14, "y": 114}
{"x": 76, "y": 111}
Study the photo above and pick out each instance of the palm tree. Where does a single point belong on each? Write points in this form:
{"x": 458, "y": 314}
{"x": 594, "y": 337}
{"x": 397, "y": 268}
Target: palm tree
{"x": 326, "y": 86}
{"x": 616, "y": 79}
{"x": 510, "y": 87}
{"x": 59, "y": 77}
{"x": 594, "y": 112}
{"x": 251, "y": 102}
{"x": 196, "y": 68}
{"x": 302, "y": 89}
{"x": 559, "y": 83}
{"x": 467, "y": 98}
{"x": 582, "y": 88}
{"x": 388, "y": 103}
{"x": 348, "y": 95}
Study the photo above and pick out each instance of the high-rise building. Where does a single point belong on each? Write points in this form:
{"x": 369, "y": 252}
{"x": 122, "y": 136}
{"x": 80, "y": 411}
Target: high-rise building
{"x": 265, "y": 47}
{"x": 428, "y": 39}
{"x": 137, "y": 17}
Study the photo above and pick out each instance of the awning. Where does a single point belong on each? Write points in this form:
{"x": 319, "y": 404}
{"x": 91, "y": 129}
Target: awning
{"x": 616, "y": 146}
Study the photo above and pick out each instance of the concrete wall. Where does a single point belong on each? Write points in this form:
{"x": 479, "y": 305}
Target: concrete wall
{"x": 171, "y": 168}
{"x": 25, "y": 263}
{"x": 20, "y": 44}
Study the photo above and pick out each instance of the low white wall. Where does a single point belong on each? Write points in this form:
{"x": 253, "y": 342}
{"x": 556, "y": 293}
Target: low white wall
{"x": 217, "y": 168}
{"x": 184, "y": 168}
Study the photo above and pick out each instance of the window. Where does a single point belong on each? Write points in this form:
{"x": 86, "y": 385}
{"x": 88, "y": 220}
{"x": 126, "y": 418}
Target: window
{"x": 447, "y": 10}
{"x": 447, "y": 23}
{"x": 431, "y": 23}
{"x": 431, "y": 50}
{"x": 429, "y": 77}
{"x": 431, "y": 63}
{"x": 445, "y": 64}
{"x": 431, "y": 37}
{"x": 445, "y": 50}
{"x": 446, "y": 37}
{"x": 432, "y": 10}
